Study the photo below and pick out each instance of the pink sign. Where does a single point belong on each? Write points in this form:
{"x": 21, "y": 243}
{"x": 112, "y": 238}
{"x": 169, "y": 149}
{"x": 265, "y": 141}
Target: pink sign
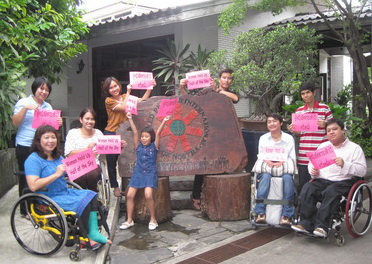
{"x": 131, "y": 105}
{"x": 322, "y": 157}
{"x": 109, "y": 144}
{"x": 198, "y": 79}
{"x": 141, "y": 80}
{"x": 46, "y": 117}
{"x": 305, "y": 122}
{"x": 79, "y": 164}
{"x": 274, "y": 153}
{"x": 167, "y": 107}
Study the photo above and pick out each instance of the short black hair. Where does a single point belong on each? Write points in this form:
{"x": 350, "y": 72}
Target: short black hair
{"x": 310, "y": 85}
{"x": 36, "y": 145}
{"x": 275, "y": 116}
{"x": 335, "y": 121}
{"x": 227, "y": 70}
{"x": 149, "y": 130}
{"x": 38, "y": 82}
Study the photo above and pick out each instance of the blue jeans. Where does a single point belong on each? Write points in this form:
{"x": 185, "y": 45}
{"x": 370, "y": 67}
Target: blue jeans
{"x": 263, "y": 191}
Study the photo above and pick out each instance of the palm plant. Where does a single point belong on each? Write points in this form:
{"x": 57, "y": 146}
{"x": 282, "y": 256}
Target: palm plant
{"x": 173, "y": 65}
{"x": 199, "y": 60}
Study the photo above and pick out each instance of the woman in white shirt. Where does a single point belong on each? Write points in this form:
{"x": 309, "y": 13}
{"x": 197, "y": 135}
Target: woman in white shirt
{"x": 81, "y": 139}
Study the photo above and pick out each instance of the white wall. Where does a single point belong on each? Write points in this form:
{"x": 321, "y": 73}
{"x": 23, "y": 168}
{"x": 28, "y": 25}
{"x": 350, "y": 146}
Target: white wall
{"x": 323, "y": 56}
{"x": 341, "y": 73}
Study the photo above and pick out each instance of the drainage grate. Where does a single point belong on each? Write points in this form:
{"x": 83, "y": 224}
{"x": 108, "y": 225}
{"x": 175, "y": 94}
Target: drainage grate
{"x": 238, "y": 247}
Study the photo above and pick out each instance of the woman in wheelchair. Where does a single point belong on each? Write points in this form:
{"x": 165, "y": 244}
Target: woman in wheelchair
{"x": 330, "y": 183}
{"x": 44, "y": 169}
{"x": 276, "y": 157}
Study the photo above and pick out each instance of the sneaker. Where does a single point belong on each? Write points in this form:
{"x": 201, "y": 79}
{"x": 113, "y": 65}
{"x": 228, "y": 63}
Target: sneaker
{"x": 285, "y": 221}
{"x": 299, "y": 229}
{"x": 320, "y": 232}
{"x": 261, "y": 219}
{"x": 126, "y": 225}
{"x": 153, "y": 225}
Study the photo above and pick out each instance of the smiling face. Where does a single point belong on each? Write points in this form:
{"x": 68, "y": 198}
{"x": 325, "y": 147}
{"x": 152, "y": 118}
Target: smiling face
{"x": 114, "y": 89}
{"x": 308, "y": 96}
{"x": 145, "y": 138}
{"x": 42, "y": 93}
{"x": 48, "y": 142}
{"x": 225, "y": 80}
{"x": 88, "y": 121}
{"x": 335, "y": 134}
{"x": 273, "y": 124}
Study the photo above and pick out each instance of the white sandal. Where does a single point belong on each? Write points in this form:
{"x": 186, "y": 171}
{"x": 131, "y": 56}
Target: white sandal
{"x": 126, "y": 225}
{"x": 153, "y": 225}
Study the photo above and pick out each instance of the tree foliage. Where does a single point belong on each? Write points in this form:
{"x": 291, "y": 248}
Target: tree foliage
{"x": 347, "y": 30}
{"x": 271, "y": 64}
{"x": 37, "y": 37}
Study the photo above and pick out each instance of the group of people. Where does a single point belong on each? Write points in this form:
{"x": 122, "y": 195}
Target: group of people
{"x": 326, "y": 185}
{"x": 39, "y": 155}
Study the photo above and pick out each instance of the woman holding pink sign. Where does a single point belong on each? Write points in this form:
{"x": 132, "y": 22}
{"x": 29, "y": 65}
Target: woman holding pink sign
{"x": 22, "y": 118}
{"x": 81, "y": 139}
{"x": 116, "y": 103}
{"x": 145, "y": 174}
{"x": 44, "y": 169}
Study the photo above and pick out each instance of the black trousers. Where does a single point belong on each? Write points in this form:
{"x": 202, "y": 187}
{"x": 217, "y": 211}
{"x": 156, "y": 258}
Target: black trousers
{"x": 327, "y": 192}
{"x": 197, "y": 188}
{"x": 22, "y": 154}
{"x": 112, "y": 160}
{"x": 303, "y": 176}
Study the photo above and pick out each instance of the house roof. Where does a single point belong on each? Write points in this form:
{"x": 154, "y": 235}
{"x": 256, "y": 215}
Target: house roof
{"x": 142, "y": 16}
{"x": 306, "y": 19}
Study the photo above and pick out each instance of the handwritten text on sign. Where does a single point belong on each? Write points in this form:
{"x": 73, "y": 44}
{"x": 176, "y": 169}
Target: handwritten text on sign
{"x": 305, "y": 122}
{"x": 131, "y": 105}
{"x": 79, "y": 164}
{"x": 322, "y": 157}
{"x": 198, "y": 79}
{"x": 141, "y": 80}
{"x": 110, "y": 144}
{"x": 274, "y": 153}
{"x": 46, "y": 117}
{"x": 167, "y": 107}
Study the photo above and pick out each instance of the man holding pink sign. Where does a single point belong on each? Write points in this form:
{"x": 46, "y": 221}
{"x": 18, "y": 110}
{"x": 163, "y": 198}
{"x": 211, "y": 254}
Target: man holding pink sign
{"x": 330, "y": 181}
{"x": 225, "y": 79}
{"x": 303, "y": 125}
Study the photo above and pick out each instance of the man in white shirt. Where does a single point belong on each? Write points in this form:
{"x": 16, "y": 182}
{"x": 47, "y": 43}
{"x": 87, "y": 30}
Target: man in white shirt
{"x": 330, "y": 183}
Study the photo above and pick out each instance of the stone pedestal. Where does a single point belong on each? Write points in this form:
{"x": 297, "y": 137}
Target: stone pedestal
{"x": 226, "y": 196}
{"x": 163, "y": 206}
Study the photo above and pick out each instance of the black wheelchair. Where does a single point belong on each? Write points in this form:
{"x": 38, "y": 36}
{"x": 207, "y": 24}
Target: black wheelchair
{"x": 45, "y": 228}
{"x": 355, "y": 209}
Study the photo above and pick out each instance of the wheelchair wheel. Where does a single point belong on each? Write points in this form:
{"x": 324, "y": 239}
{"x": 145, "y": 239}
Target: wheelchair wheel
{"x": 103, "y": 185}
{"x": 358, "y": 209}
{"x": 43, "y": 230}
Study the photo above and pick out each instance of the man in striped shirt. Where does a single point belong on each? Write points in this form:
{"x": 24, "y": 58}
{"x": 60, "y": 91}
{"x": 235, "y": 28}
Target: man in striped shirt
{"x": 310, "y": 140}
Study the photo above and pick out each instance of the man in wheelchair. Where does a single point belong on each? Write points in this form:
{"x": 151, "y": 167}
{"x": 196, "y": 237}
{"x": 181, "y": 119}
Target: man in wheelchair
{"x": 330, "y": 183}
